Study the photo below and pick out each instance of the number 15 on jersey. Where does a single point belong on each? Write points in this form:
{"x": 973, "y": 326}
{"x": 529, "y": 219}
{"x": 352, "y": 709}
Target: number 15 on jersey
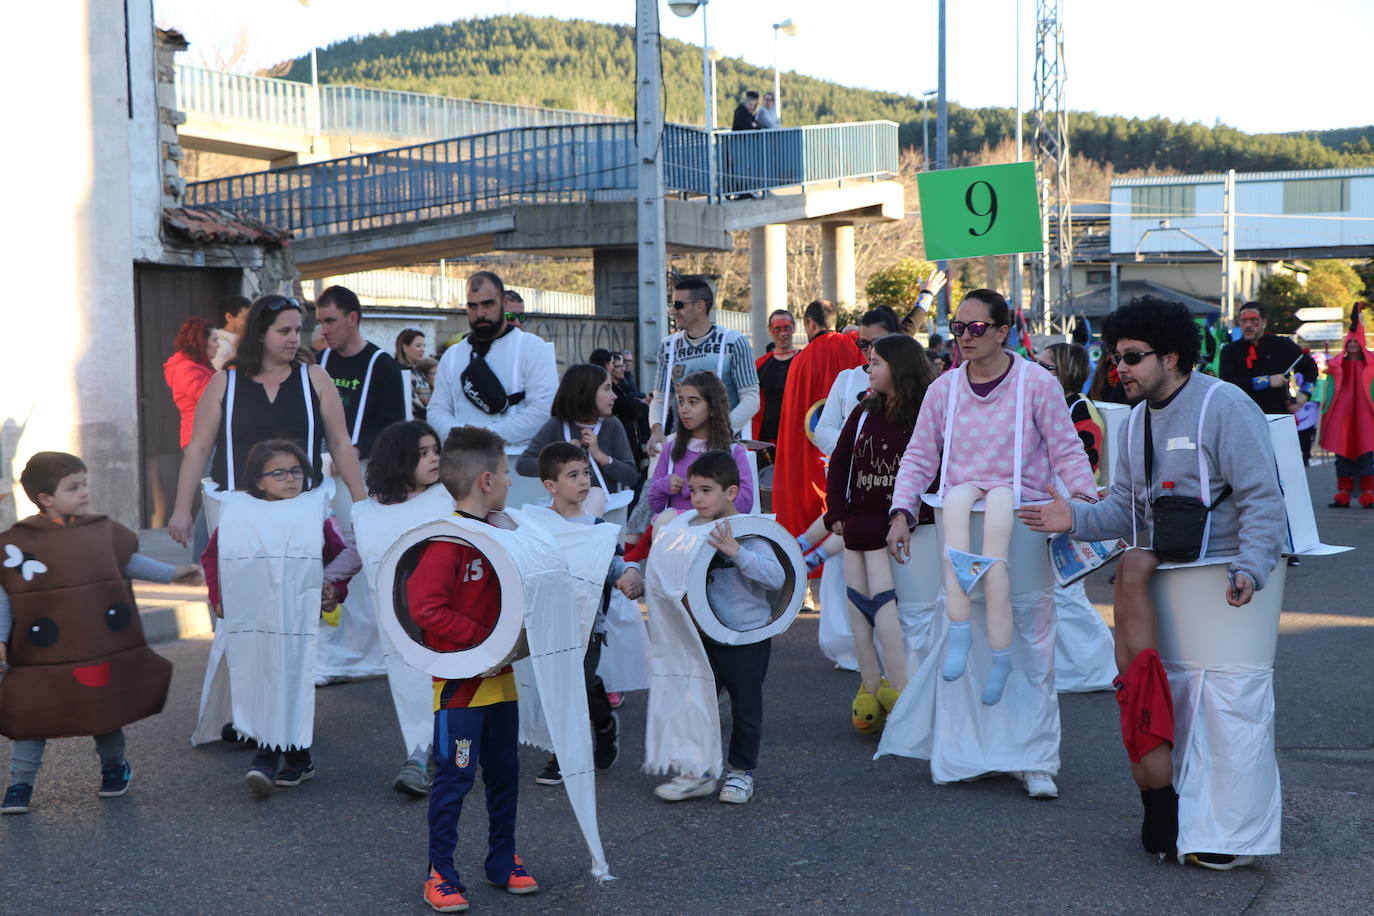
{"x": 987, "y": 209}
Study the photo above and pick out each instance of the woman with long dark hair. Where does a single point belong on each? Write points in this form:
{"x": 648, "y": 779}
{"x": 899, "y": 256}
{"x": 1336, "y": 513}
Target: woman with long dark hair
{"x": 863, "y": 471}
{"x": 582, "y": 414}
{"x": 269, "y": 391}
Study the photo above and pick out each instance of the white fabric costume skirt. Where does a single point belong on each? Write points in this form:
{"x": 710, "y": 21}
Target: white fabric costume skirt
{"x": 1084, "y": 652}
{"x": 946, "y": 722}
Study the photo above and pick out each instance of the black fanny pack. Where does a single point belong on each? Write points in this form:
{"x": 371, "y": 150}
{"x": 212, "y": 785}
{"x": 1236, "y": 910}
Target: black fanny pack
{"x": 484, "y": 390}
{"x": 1179, "y": 521}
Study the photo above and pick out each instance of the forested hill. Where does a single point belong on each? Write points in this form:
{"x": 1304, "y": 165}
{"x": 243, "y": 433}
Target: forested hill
{"x": 589, "y": 66}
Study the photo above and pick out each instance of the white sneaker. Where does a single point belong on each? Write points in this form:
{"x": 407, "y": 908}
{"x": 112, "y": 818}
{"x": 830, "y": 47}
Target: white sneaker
{"x": 1039, "y": 784}
{"x": 738, "y": 788}
{"x": 681, "y": 788}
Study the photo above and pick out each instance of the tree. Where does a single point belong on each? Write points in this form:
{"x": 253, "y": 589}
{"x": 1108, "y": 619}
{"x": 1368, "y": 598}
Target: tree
{"x": 1366, "y": 272}
{"x": 1334, "y": 283}
{"x": 1281, "y": 295}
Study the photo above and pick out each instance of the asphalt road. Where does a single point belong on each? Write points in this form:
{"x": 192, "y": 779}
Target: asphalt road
{"x": 829, "y": 830}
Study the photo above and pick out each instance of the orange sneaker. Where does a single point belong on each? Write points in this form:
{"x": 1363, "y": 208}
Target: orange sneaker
{"x": 519, "y": 882}
{"x": 442, "y": 895}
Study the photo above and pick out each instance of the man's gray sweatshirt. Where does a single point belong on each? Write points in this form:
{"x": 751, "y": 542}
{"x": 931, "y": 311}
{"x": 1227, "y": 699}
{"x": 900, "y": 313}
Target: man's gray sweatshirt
{"x": 1251, "y": 525}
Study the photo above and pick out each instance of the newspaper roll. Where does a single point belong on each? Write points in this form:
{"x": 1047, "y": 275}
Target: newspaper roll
{"x": 689, "y": 545}
{"x": 509, "y": 556}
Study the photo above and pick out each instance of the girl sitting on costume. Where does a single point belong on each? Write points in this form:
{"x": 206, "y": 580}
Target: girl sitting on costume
{"x": 863, "y": 471}
{"x": 275, "y": 470}
{"x": 582, "y": 414}
{"x": 404, "y": 466}
{"x": 703, "y": 424}
{"x": 997, "y": 432}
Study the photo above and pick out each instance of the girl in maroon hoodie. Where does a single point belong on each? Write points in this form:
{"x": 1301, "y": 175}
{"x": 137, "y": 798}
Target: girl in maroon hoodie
{"x": 859, "y": 485}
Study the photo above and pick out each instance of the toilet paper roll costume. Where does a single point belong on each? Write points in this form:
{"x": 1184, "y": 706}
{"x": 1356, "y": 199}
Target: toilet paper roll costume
{"x": 550, "y": 575}
{"x": 682, "y": 731}
{"x": 271, "y": 570}
{"x": 376, "y": 528}
{"x": 1012, "y": 444}
{"x": 1209, "y": 687}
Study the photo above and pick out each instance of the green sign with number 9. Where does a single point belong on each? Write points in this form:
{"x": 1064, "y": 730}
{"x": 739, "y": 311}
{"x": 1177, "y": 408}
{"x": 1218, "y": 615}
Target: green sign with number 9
{"x": 988, "y": 209}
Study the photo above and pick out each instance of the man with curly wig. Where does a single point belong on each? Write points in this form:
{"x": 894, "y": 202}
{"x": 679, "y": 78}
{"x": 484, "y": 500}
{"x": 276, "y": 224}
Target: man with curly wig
{"x": 1178, "y": 413}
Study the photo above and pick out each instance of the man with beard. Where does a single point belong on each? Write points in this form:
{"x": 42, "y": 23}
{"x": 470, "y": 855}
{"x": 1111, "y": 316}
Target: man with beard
{"x": 1175, "y": 446}
{"x": 498, "y": 377}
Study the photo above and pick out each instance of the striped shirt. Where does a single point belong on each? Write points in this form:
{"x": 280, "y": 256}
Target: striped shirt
{"x": 735, "y": 365}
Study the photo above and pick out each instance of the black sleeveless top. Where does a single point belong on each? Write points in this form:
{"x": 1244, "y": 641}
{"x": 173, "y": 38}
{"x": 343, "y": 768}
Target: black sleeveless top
{"x": 254, "y": 419}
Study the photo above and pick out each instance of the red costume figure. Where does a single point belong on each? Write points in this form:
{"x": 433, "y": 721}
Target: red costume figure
{"x": 800, "y": 472}
{"x": 1347, "y": 429}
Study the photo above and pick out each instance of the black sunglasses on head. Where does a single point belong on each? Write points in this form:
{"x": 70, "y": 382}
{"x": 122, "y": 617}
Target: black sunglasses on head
{"x": 282, "y": 302}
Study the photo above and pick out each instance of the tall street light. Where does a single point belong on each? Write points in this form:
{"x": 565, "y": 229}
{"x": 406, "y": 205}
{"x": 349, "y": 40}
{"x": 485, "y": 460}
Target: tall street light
{"x": 792, "y": 30}
{"x": 685, "y": 9}
{"x": 925, "y": 128}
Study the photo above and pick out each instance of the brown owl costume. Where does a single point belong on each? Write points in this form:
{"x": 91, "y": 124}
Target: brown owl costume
{"x": 79, "y": 662}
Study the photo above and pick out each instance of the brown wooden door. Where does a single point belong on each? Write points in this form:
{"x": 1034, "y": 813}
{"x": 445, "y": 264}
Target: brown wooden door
{"x": 165, "y": 298}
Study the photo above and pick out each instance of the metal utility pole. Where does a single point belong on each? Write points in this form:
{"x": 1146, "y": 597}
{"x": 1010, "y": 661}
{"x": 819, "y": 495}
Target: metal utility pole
{"x": 1228, "y": 248}
{"x": 652, "y": 261}
{"x": 942, "y": 151}
{"x": 1017, "y": 260}
{"x": 1052, "y": 163}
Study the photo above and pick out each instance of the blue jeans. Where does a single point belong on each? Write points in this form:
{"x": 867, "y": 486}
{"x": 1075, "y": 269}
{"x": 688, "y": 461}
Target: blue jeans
{"x": 464, "y": 738}
{"x": 27, "y": 754}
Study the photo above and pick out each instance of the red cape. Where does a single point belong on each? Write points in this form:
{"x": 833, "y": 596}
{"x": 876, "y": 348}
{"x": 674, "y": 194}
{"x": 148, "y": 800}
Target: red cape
{"x": 1348, "y": 418}
{"x": 799, "y": 478}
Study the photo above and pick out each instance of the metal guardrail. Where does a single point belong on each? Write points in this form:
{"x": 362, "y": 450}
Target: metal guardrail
{"x": 433, "y": 290}
{"x": 540, "y": 165}
{"x": 244, "y": 98}
{"x": 348, "y": 110}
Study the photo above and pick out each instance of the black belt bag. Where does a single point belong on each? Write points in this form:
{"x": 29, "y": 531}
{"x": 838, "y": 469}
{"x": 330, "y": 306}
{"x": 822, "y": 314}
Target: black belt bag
{"x": 1180, "y": 522}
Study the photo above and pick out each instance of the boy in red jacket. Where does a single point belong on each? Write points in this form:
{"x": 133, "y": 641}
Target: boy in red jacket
{"x": 455, "y": 600}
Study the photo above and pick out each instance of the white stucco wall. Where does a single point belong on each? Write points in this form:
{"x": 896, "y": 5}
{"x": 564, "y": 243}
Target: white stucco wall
{"x": 66, "y": 378}
{"x": 145, "y": 151}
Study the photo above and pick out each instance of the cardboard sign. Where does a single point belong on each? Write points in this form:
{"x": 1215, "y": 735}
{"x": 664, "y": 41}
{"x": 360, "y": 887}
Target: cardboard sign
{"x": 988, "y": 209}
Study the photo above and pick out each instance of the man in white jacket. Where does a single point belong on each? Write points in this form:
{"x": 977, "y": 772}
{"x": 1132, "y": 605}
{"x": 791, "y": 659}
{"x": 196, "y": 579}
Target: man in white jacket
{"x": 498, "y": 377}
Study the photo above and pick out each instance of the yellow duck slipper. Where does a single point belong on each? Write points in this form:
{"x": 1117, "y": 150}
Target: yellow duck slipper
{"x": 868, "y": 713}
{"x": 887, "y": 696}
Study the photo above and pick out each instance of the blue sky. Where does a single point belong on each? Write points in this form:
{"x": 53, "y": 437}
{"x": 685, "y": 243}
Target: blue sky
{"x": 1258, "y": 65}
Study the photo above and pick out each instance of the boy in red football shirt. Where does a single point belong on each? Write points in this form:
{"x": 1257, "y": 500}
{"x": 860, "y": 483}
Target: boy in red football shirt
{"x": 455, "y": 600}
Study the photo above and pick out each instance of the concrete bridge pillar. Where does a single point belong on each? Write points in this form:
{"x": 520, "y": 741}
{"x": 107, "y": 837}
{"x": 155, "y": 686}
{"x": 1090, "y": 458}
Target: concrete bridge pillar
{"x": 837, "y": 263}
{"x": 615, "y": 282}
{"x": 767, "y": 278}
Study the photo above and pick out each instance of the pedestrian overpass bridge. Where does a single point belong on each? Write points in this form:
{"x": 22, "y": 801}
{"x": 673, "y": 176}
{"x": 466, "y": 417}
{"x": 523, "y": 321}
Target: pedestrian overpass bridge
{"x": 564, "y": 188}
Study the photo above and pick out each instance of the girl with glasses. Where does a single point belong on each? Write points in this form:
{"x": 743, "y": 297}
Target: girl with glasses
{"x": 272, "y": 576}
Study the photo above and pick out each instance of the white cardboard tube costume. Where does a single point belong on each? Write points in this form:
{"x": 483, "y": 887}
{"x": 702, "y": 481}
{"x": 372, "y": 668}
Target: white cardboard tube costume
{"x": 946, "y": 722}
{"x": 1084, "y": 650}
{"x": 354, "y": 648}
{"x": 1220, "y": 664}
{"x": 833, "y": 632}
{"x": 376, "y": 528}
{"x": 271, "y": 572}
{"x": 682, "y": 734}
{"x": 551, "y": 573}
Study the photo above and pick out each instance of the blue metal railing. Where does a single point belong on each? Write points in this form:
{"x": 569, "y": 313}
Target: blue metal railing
{"x": 560, "y": 164}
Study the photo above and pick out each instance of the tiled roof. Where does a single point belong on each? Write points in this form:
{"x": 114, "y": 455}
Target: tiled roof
{"x": 198, "y": 224}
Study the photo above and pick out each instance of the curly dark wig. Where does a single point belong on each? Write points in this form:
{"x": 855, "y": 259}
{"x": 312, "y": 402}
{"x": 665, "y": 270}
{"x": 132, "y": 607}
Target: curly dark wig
{"x": 1168, "y": 327}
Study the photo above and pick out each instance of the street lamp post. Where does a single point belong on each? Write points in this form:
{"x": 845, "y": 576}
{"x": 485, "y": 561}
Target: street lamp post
{"x": 684, "y": 9}
{"x": 925, "y": 128}
{"x": 791, "y": 29}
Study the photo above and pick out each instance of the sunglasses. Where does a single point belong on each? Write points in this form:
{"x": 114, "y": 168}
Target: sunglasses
{"x": 1049, "y": 366}
{"x": 514, "y": 316}
{"x": 281, "y": 474}
{"x": 774, "y": 329}
{"x": 679, "y": 306}
{"x": 864, "y": 344}
{"x": 282, "y": 302}
{"x": 976, "y": 328}
{"x": 1131, "y": 357}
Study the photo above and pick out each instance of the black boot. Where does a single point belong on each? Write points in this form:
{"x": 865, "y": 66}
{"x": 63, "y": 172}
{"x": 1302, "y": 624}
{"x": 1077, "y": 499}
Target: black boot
{"x": 1159, "y": 830}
